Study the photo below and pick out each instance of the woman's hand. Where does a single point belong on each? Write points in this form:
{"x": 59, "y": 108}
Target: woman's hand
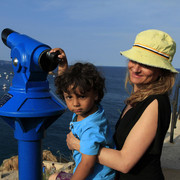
{"x": 63, "y": 64}
{"x": 72, "y": 142}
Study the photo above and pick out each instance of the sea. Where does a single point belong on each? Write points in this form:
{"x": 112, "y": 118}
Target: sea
{"x": 55, "y": 135}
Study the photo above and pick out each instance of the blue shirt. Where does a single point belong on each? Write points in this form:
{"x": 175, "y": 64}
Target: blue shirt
{"x": 93, "y": 132}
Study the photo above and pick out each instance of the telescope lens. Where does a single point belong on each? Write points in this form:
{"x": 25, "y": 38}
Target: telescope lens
{"x": 5, "y": 33}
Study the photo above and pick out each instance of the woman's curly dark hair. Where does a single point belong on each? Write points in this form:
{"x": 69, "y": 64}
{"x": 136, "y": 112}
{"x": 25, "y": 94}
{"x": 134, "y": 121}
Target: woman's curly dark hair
{"x": 85, "y": 76}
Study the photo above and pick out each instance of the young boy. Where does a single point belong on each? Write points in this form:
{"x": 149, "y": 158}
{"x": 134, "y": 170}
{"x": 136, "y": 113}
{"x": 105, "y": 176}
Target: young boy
{"x": 82, "y": 88}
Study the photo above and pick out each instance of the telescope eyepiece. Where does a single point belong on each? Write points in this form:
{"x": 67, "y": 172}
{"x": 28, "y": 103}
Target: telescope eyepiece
{"x": 49, "y": 61}
{"x": 5, "y": 33}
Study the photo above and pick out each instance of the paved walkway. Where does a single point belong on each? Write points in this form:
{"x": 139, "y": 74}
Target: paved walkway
{"x": 170, "y": 159}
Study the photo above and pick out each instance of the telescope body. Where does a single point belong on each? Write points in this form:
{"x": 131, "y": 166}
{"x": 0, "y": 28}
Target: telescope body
{"x": 30, "y": 107}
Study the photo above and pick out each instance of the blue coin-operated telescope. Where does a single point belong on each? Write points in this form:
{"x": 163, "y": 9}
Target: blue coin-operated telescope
{"x": 30, "y": 107}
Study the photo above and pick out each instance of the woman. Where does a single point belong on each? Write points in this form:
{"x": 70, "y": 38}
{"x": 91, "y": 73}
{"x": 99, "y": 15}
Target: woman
{"x": 142, "y": 126}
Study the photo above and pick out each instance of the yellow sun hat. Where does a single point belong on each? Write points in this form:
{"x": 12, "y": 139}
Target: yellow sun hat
{"x": 153, "y": 48}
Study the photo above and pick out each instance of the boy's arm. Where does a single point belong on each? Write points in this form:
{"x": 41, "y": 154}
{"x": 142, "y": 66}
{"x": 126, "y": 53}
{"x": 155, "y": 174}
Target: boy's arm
{"x": 85, "y": 167}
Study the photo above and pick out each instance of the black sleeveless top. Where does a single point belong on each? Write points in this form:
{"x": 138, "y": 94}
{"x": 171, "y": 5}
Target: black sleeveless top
{"x": 149, "y": 166}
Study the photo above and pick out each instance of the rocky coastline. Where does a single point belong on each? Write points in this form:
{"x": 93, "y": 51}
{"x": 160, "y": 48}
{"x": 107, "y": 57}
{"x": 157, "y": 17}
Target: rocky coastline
{"x": 9, "y": 167}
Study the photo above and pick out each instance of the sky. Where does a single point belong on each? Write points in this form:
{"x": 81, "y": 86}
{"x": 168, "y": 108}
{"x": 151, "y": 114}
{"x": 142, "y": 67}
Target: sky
{"x": 90, "y": 30}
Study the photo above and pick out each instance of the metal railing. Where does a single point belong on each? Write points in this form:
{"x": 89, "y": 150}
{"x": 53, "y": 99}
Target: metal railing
{"x": 175, "y": 113}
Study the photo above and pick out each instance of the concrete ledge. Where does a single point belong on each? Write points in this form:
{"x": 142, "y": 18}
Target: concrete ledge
{"x": 171, "y": 174}
{"x": 170, "y": 158}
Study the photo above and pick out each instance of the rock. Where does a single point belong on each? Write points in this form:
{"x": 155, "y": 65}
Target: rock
{"x": 48, "y": 156}
{"x": 10, "y": 164}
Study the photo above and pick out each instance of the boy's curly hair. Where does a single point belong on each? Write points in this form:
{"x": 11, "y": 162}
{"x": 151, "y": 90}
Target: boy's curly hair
{"x": 85, "y": 76}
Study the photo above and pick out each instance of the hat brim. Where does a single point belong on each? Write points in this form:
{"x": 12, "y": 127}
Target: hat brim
{"x": 148, "y": 58}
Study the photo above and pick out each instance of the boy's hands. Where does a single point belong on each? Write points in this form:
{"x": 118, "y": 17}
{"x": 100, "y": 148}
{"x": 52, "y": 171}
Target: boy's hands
{"x": 63, "y": 64}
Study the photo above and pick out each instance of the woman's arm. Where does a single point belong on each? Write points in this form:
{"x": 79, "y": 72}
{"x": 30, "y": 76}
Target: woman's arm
{"x": 137, "y": 142}
{"x": 72, "y": 142}
{"x": 63, "y": 64}
{"x": 85, "y": 167}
